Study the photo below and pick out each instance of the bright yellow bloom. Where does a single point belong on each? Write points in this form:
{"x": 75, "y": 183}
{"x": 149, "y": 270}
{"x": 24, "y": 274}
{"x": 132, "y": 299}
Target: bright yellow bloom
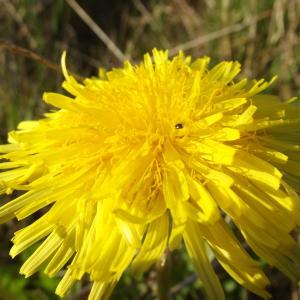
{"x": 152, "y": 156}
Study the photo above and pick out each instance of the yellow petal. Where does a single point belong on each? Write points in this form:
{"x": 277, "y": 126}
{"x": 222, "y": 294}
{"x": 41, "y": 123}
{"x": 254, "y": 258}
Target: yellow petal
{"x": 208, "y": 212}
{"x": 153, "y": 246}
{"x": 228, "y": 251}
{"x": 196, "y": 249}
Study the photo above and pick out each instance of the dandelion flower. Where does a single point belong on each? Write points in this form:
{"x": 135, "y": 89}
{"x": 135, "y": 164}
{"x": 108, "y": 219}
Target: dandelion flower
{"x": 150, "y": 157}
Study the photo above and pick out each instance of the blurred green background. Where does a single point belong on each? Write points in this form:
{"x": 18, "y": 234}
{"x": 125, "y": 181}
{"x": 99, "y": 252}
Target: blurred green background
{"x": 263, "y": 35}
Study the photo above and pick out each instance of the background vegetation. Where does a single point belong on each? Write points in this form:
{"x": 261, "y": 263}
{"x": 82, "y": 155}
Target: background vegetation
{"x": 262, "y": 35}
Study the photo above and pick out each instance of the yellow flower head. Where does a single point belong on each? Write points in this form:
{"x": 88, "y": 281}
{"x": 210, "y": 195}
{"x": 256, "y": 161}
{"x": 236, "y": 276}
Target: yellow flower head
{"x": 151, "y": 156}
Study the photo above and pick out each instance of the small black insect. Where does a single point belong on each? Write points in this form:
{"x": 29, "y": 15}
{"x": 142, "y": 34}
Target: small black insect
{"x": 179, "y": 126}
